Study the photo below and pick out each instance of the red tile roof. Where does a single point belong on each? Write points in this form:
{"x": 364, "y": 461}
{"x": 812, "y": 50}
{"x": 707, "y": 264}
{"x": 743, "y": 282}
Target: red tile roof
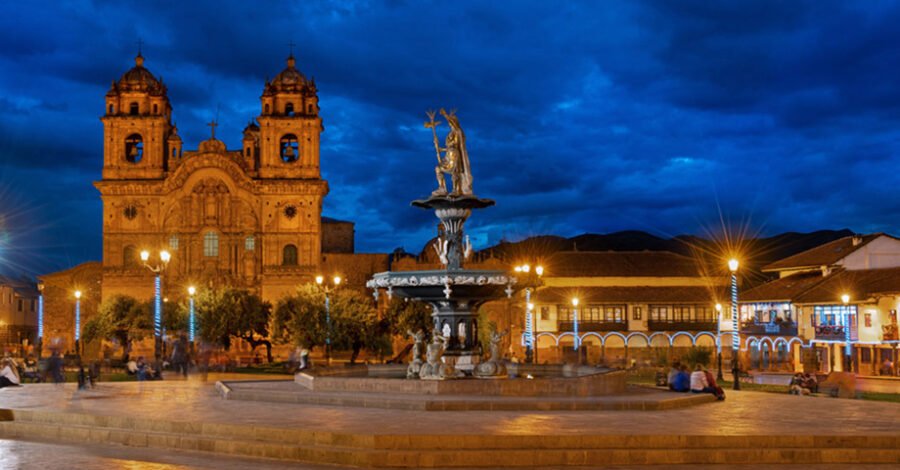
{"x": 822, "y": 255}
{"x": 860, "y": 285}
{"x": 633, "y": 294}
{"x": 620, "y": 264}
{"x": 784, "y": 289}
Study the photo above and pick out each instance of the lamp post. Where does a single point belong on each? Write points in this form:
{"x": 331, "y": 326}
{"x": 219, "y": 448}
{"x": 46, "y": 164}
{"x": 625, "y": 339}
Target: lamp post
{"x": 575, "y": 325}
{"x": 320, "y": 281}
{"x": 848, "y": 349}
{"x": 719, "y": 376}
{"x": 531, "y": 282}
{"x": 157, "y": 269}
{"x": 191, "y": 291}
{"x": 40, "y": 315}
{"x": 735, "y": 334}
{"x": 77, "y": 323}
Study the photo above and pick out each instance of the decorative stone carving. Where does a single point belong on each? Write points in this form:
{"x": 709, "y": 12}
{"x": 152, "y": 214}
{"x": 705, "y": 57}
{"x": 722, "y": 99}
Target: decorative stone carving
{"x": 493, "y": 367}
{"x": 434, "y": 367}
{"x": 415, "y": 364}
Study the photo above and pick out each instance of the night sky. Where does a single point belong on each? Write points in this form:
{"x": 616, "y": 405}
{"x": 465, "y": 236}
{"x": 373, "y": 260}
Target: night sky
{"x": 580, "y": 117}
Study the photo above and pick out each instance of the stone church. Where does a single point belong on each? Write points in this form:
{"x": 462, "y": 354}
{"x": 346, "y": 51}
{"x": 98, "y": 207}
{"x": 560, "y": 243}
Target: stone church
{"x": 248, "y": 217}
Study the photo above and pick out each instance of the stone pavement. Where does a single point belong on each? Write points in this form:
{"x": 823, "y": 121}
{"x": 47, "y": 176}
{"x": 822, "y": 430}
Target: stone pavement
{"x": 743, "y": 413}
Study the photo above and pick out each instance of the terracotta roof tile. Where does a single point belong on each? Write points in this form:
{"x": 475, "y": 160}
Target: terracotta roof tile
{"x": 620, "y": 264}
{"x": 822, "y": 255}
{"x": 860, "y": 285}
{"x": 632, "y": 294}
{"x": 784, "y": 289}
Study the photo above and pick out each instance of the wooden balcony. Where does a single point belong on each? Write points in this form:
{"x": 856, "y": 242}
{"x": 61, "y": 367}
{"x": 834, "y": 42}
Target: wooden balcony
{"x": 834, "y": 333}
{"x": 565, "y": 326}
{"x": 776, "y": 329}
{"x": 658, "y": 325}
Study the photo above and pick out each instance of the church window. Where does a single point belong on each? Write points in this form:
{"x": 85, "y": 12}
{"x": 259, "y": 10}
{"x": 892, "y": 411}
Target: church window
{"x": 290, "y": 212}
{"x": 155, "y": 110}
{"x": 174, "y": 152}
{"x": 289, "y": 148}
{"x": 249, "y": 243}
{"x": 134, "y": 148}
{"x": 247, "y": 152}
{"x": 129, "y": 256}
{"x": 309, "y": 109}
{"x": 133, "y": 109}
{"x": 130, "y": 212}
{"x": 112, "y": 109}
{"x": 173, "y": 242}
{"x": 211, "y": 244}
{"x": 289, "y": 109}
{"x": 289, "y": 257}
{"x": 266, "y": 109}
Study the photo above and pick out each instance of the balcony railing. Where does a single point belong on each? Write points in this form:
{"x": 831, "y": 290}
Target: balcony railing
{"x": 834, "y": 333}
{"x": 662, "y": 325}
{"x": 777, "y": 329}
{"x": 594, "y": 326}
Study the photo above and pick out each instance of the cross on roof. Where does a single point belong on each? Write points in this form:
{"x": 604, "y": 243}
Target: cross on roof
{"x": 291, "y": 45}
{"x": 212, "y": 125}
{"x": 140, "y": 43}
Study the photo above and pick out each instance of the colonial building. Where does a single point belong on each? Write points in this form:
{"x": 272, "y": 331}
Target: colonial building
{"x": 630, "y": 303}
{"x": 801, "y": 322}
{"x": 18, "y": 314}
{"x": 247, "y": 217}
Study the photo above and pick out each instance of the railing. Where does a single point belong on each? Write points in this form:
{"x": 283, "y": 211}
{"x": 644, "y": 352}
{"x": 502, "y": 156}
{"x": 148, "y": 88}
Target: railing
{"x": 662, "y": 325}
{"x": 594, "y": 326}
{"x": 834, "y": 333}
{"x": 777, "y": 329}
{"x": 889, "y": 333}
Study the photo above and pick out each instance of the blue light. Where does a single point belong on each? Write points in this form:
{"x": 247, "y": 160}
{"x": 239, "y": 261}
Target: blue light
{"x": 191, "y": 326}
{"x": 735, "y": 335}
{"x": 41, "y": 316}
{"x": 157, "y": 307}
{"x": 77, "y": 319}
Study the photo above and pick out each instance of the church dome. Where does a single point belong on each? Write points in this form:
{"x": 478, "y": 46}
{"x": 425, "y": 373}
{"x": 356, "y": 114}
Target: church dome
{"x": 289, "y": 80}
{"x": 139, "y": 79}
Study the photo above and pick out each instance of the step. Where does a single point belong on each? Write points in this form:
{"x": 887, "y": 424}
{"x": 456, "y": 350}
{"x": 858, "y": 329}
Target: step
{"x": 419, "y": 451}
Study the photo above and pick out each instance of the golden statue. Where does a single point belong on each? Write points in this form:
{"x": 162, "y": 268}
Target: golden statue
{"x": 455, "y": 158}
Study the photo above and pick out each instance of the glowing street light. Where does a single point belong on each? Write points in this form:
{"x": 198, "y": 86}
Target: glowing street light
{"x": 191, "y": 291}
{"x": 164, "y": 258}
{"x": 531, "y": 282}
{"x": 77, "y": 322}
{"x": 733, "y": 265}
{"x": 575, "y": 321}
{"x": 320, "y": 281}
{"x": 848, "y": 349}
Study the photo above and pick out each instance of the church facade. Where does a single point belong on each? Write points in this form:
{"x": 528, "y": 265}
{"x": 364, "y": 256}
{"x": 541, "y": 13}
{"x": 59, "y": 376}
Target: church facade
{"x": 248, "y": 217}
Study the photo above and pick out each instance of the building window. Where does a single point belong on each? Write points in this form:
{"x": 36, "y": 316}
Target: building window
{"x": 112, "y": 109}
{"x": 563, "y": 313}
{"x": 309, "y": 109}
{"x": 211, "y": 244}
{"x": 289, "y": 109}
{"x": 21, "y": 304}
{"x": 133, "y": 109}
{"x": 868, "y": 318}
{"x": 173, "y": 242}
{"x": 636, "y": 313}
{"x": 129, "y": 256}
{"x": 266, "y": 109}
{"x": 134, "y": 148}
{"x": 833, "y": 315}
{"x": 289, "y": 256}
{"x": 289, "y": 148}
{"x": 250, "y": 243}
{"x": 704, "y": 314}
{"x": 545, "y": 312}
{"x": 155, "y": 109}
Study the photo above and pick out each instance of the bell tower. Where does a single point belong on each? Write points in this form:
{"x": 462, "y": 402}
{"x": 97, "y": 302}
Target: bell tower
{"x": 289, "y": 126}
{"x": 137, "y": 126}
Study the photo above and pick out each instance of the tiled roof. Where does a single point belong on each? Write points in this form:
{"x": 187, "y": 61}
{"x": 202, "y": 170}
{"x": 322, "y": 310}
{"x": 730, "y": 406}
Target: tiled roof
{"x": 632, "y": 294}
{"x": 620, "y": 264}
{"x": 784, "y": 289}
{"x": 859, "y": 284}
{"x": 822, "y": 255}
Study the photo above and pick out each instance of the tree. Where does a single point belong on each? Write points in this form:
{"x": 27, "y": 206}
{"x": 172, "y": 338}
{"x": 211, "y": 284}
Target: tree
{"x": 122, "y": 318}
{"x": 404, "y": 315}
{"x": 300, "y": 319}
{"x": 224, "y": 314}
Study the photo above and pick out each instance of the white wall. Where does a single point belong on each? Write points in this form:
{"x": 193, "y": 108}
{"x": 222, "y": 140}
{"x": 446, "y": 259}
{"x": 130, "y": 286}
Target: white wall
{"x": 883, "y": 252}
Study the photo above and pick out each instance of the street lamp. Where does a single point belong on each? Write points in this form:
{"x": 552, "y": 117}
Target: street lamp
{"x": 77, "y": 322}
{"x": 531, "y": 282}
{"x": 735, "y": 334}
{"x": 848, "y": 349}
{"x": 719, "y": 341}
{"x": 40, "y": 315}
{"x": 320, "y": 281}
{"x": 191, "y": 291}
{"x": 164, "y": 257}
{"x": 575, "y": 323}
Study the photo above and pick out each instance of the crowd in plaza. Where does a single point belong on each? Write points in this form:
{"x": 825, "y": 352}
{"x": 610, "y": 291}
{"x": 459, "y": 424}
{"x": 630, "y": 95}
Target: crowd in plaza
{"x": 701, "y": 380}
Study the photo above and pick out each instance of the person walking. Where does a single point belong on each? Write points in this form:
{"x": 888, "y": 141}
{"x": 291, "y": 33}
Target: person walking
{"x": 55, "y": 367}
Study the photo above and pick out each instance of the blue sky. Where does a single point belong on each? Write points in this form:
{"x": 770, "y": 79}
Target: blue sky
{"x": 580, "y": 116}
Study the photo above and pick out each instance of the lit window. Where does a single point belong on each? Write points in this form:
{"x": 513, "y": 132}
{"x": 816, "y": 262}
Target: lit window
{"x": 211, "y": 244}
{"x": 173, "y": 242}
{"x": 289, "y": 256}
{"x": 250, "y": 243}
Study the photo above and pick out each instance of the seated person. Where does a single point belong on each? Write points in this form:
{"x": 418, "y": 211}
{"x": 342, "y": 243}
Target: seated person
{"x": 796, "y": 384}
{"x": 699, "y": 384}
{"x": 9, "y": 374}
{"x": 673, "y": 372}
{"x": 682, "y": 381}
{"x": 809, "y": 383}
{"x": 714, "y": 387}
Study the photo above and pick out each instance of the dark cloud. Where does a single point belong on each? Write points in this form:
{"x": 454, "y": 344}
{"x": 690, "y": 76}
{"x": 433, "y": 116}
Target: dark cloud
{"x": 580, "y": 116}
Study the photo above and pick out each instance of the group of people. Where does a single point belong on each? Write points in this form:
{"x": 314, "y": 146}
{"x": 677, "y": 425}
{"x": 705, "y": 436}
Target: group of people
{"x": 803, "y": 384}
{"x": 698, "y": 381}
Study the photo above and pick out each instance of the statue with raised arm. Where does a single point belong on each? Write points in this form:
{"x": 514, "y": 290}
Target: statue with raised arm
{"x": 415, "y": 364}
{"x": 454, "y": 160}
{"x": 493, "y": 367}
{"x": 434, "y": 367}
